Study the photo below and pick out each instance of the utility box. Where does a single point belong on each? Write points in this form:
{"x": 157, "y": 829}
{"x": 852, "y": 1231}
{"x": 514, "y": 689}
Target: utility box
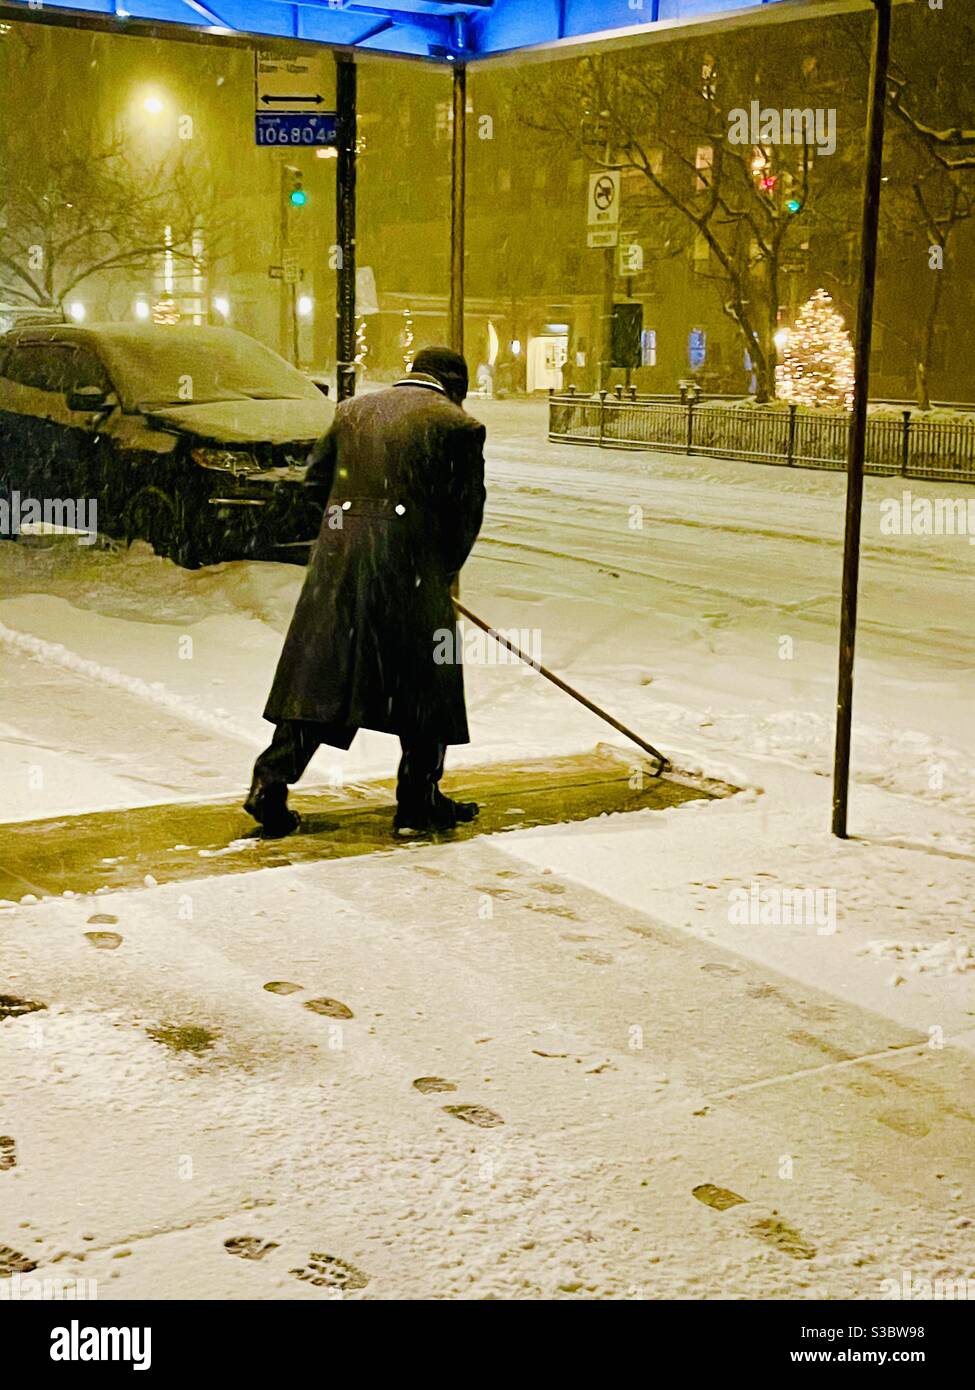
{"x": 626, "y": 330}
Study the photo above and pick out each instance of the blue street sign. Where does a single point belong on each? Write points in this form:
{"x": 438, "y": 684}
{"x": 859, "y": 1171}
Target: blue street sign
{"x": 291, "y": 128}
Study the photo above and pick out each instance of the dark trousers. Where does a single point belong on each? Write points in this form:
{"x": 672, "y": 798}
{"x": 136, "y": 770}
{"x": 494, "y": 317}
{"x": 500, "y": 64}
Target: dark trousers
{"x": 295, "y": 742}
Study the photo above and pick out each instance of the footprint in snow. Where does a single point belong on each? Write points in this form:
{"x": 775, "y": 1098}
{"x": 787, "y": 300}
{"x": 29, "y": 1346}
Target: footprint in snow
{"x": 183, "y": 1039}
{"x": 13, "y": 1262}
{"x": 12, "y": 1006}
{"x": 595, "y": 957}
{"x": 771, "y": 1229}
{"x": 8, "y": 1152}
{"x": 329, "y": 1008}
{"x": 427, "y": 1084}
{"x": 478, "y": 1115}
{"x": 102, "y": 919}
{"x": 782, "y": 1237}
{"x": 721, "y": 1198}
{"x": 104, "y": 940}
{"x": 328, "y": 1271}
{"x": 551, "y": 910}
{"x": 282, "y": 987}
{"x": 249, "y": 1247}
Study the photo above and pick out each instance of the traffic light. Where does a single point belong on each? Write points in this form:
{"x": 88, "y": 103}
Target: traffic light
{"x": 794, "y": 205}
{"x": 297, "y": 196}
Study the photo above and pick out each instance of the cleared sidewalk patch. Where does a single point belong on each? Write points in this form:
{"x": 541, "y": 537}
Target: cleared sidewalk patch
{"x": 155, "y": 844}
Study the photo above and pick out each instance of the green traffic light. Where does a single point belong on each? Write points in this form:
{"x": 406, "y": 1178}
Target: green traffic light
{"x": 794, "y": 205}
{"x": 299, "y": 197}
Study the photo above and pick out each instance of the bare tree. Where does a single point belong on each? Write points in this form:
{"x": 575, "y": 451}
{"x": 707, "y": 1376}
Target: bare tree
{"x": 664, "y": 112}
{"x": 929, "y": 191}
{"x": 69, "y": 212}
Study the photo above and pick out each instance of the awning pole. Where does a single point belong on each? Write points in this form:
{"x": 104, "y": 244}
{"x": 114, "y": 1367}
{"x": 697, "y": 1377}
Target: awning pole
{"x": 345, "y": 103}
{"x": 458, "y": 181}
{"x": 879, "y": 63}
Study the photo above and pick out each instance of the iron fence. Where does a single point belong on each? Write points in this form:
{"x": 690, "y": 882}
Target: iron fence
{"x": 940, "y": 449}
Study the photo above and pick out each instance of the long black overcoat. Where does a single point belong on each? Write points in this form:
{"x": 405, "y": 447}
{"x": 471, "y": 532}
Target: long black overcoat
{"x": 403, "y": 472}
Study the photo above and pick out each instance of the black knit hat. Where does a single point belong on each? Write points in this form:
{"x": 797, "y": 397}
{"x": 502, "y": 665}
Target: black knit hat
{"x": 447, "y": 366}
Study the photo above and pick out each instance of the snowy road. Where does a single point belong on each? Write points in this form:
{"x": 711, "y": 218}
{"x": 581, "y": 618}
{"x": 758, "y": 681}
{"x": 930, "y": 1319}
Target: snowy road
{"x": 587, "y": 985}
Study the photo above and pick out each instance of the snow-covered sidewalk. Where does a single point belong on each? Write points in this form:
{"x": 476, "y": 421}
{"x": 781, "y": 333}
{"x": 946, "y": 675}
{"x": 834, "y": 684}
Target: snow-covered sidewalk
{"x": 628, "y": 995}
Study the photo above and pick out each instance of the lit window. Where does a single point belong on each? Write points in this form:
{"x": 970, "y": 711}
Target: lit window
{"x": 703, "y": 162}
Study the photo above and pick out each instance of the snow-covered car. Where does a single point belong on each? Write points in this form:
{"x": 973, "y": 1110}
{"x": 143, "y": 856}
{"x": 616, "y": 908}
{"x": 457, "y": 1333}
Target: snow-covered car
{"x": 193, "y": 439}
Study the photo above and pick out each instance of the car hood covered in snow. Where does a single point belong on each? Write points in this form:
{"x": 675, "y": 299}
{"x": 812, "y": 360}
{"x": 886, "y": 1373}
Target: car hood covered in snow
{"x": 247, "y": 421}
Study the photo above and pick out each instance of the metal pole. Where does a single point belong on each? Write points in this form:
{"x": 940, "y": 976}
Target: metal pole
{"x": 458, "y": 182}
{"x": 879, "y": 63}
{"x": 606, "y": 335}
{"x": 345, "y": 102}
{"x": 284, "y": 321}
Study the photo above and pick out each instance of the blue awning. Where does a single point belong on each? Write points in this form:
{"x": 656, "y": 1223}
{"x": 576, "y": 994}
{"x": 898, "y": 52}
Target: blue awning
{"x": 466, "y": 29}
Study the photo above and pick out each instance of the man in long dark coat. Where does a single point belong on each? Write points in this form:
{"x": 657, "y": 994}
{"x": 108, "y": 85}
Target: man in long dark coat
{"x": 402, "y": 474}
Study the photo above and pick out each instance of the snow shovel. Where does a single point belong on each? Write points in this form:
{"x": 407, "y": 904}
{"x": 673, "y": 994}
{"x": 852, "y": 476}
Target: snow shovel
{"x": 662, "y": 762}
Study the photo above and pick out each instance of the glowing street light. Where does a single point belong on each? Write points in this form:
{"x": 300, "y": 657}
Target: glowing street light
{"x": 222, "y": 305}
{"x": 305, "y": 306}
{"x": 141, "y": 309}
{"x": 77, "y": 311}
{"x": 154, "y": 105}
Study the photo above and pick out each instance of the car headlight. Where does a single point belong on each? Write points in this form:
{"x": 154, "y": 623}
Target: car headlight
{"x": 236, "y": 461}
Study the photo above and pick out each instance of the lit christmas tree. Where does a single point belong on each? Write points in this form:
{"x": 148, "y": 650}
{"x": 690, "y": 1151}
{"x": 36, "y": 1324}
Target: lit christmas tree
{"x": 817, "y": 366}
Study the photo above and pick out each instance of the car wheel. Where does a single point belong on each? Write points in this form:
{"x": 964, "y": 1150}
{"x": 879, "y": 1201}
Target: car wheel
{"x": 151, "y": 515}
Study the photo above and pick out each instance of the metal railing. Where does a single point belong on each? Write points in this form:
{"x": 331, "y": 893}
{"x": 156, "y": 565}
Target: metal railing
{"x": 941, "y": 449}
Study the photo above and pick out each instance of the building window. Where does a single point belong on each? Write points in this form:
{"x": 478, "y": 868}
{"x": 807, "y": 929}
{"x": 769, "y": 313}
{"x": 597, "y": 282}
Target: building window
{"x": 703, "y": 162}
{"x": 709, "y": 85}
{"x": 697, "y": 344}
{"x": 443, "y": 121}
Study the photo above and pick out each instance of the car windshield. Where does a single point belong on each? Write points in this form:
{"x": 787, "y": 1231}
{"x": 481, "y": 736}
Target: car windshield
{"x": 169, "y": 367}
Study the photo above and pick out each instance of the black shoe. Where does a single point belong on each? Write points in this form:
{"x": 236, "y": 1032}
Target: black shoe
{"x": 267, "y": 802}
{"x": 444, "y": 814}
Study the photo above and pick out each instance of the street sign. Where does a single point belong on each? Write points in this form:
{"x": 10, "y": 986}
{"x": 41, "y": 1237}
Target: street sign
{"x": 604, "y": 199}
{"x": 602, "y": 236}
{"x": 290, "y": 267}
{"x": 283, "y": 130}
{"x": 289, "y": 101}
